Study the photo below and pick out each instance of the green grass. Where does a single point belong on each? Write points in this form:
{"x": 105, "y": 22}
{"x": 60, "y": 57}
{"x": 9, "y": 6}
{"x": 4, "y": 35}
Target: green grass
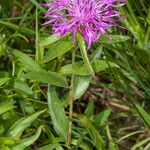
{"x": 111, "y": 86}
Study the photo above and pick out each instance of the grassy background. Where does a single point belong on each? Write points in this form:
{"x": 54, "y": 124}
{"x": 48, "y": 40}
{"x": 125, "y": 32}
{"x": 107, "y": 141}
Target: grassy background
{"x": 111, "y": 110}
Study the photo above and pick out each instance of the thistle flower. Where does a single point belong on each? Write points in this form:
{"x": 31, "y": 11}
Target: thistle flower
{"x": 91, "y": 18}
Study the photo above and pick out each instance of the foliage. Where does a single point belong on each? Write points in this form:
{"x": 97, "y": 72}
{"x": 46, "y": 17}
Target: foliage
{"x": 111, "y": 84}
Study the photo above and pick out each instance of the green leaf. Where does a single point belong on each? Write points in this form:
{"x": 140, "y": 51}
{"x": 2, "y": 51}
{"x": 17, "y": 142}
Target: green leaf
{"x": 7, "y": 140}
{"x": 48, "y": 77}
{"x": 113, "y": 146}
{"x": 81, "y": 83}
{"x": 28, "y": 141}
{"x": 83, "y": 50}
{"x": 45, "y": 41}
{"x": 101, "y": 118}
{"x": 51, "y": 147}
{"x": 18, "y": 28}
{"x": 6, "y": 106}
{"x": 89, "y": 111}
{"x": 140, "y": 144}
{"x": 20, "y": 125}
{"x": 80, "y": 69}
{"x": 4, "y": 80}
{"x": 22, "y": 87}
{"x": 96, "y": 138}
{"x": 27, "y": 62}
{"x": 57, "y": 113}
{"x": 113, "y": 39}
{"x": 57, "y": 50}
{"x": 144, "y": 115}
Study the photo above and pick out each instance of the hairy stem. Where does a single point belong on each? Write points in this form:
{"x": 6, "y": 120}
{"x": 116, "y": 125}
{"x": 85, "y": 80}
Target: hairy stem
{"x": 71, "y": 101}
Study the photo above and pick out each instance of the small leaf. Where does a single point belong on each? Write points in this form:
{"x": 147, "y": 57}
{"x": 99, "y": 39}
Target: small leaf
{"x": 22, "y": 87}
{"x": 81, "y": 83}
{"x": 26, "y": 61}
{"x": 48, "y": 77}
{"x": 7, "y": 140}
{"x": 4, "y": 80}
{"x": 28, "y": 141}
{"x": 57, "y": 50}
{"x": 20, "y": 125}
{"x": 89, "y": 111}
{"x": 144, "y": 115}
{"x": 57, "y": 113}
{"x": 6, "y": 106}
{"x": 49, "y": 40}
{"x": 101, "y": 118}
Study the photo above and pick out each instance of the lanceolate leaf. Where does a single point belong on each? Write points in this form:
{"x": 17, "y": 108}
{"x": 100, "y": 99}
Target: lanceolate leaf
{"x": 4, "y": 80}
{"x": 57, "y": 113}
{"x": 57, "y": 50}
{"x": 27, "y": 61}
{"x": 49, "y": 40}
{"x": 6, "y": 106}
{"x": 81, "y": 83}
{"x": 28, "y": 141}
{"x": 48, "y": 77}
{"x": 20, "y": 125}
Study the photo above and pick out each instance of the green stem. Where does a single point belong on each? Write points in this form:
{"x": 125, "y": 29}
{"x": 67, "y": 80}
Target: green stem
{"x": 71, "y": 101}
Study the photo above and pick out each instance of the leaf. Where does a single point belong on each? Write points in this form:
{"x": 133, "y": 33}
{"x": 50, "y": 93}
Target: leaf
{"x": 6, "y": 106}
{"x": 81, "y": 83}
{"x": 113, "y": 39}
{"x": 57, "y": 113}
{"x": 127, "y": 136}
{"x": 18, "y": 28}
{"x": 20, "y": 125}
{"x": 51, "y": 147}
{"x": 82, "y": 47}
{"x": 22, "y": 87}
{"x": 113, "y": 146}
{"x": 28, "y": 141}
{"x": 81, "y": 145}
{"x": 57, "y": 50}
{"x": 7, "y": 140}
{"x": 26, "y": 61}
{"x": 80, "y": 69}
{"x": 4, "y": 80}
{"x": 101, "y": 118}
{"x": 89, "y": 111}
{"x": 96, "y": 138}
{"x": 144, "y": 115}
{"x": 140, "y": 144}
{"x": 48, "y": 77}
{"x": 49, "y": 40}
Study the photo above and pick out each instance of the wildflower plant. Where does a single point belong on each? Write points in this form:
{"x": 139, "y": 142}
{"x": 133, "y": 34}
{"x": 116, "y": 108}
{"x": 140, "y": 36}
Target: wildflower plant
{"x": 87, "y": 20}
{"x": 48, "y": 98}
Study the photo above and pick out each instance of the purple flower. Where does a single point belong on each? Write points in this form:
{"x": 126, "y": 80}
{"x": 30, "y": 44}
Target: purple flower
{"x": 91, "y": 18}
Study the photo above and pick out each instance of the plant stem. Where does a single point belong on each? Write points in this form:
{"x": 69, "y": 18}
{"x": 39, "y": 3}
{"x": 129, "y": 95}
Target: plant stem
{"x": 71, "y": 101}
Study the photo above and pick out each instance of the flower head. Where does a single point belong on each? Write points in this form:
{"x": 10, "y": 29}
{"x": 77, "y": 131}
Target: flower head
{"x": 91, "y": 18}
